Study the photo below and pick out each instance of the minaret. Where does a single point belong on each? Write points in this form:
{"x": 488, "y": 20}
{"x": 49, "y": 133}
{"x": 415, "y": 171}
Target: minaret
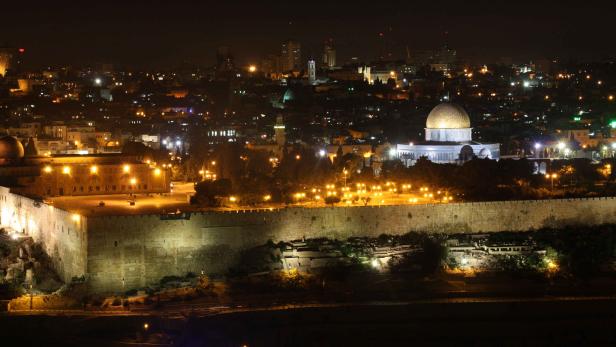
{"x": 279, "y": 133}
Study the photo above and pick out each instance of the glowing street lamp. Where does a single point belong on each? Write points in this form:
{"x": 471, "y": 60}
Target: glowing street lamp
{"x": 551, "y": 177}
{"x": 537, "y": 149}
{"x": 93, "y": 169}
{"x": 393, "y": 152}
{"x": 252, "y": 68}
{"x": 66, "y": 170}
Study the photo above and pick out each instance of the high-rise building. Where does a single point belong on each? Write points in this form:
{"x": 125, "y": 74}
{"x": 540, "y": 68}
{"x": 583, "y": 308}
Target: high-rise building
{"x": 329, "y": 54}
{"x": 6, "y": 55}
{"x": 224, "y": 59}
{"x": 312, "y": 71}
{"x": 291, "y": 56}
{"x": 271, "y": 67}
{"x": 445, "y": 55}
{"x": 279, "y": 132}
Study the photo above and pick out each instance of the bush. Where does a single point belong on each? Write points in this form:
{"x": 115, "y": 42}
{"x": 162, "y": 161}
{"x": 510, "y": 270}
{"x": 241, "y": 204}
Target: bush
{"x": 330, "y": 200}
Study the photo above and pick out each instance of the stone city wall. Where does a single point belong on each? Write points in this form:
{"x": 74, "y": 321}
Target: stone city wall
{"x": 62, "y": 234}
{"x": 127, "y": 252}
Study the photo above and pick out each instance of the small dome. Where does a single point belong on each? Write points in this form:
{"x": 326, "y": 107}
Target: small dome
{"x": 448, "y": 116}
{"x": 10, "y": 149}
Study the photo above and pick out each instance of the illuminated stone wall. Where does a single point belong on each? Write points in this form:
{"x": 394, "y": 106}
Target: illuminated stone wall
{"x": 118, "y": 253}
{"x": 126, "y": 252}
{"x": 62, "y": 234}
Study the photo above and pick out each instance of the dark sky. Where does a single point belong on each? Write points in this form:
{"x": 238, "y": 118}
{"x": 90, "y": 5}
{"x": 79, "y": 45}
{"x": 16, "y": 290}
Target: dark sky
{"x": 159, "y": 33}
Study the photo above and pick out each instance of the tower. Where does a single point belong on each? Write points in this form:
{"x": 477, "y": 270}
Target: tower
{"x": 6, "y": 55}
{"x": 312, "y": 71}
{"x": 279, "y": 132}
{"x": 329, "y": 54}
{"x": 224, "y": 59}
{"x": 290, "y": 55}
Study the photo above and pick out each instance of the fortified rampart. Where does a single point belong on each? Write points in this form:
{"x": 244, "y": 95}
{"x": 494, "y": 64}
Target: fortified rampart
{"x": 122, "y": 252}
{"x": 132, "y": 251}
{"x": 62, "y": 234}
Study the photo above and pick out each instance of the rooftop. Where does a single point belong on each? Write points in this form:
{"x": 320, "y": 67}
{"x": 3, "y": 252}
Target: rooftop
{"x": 119, "y": 204}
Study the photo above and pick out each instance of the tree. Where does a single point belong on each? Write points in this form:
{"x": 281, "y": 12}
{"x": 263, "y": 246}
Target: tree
{"x": 394, "y": 170}
{"x": 331, "y": 200}
{"x": 208, "y": 192}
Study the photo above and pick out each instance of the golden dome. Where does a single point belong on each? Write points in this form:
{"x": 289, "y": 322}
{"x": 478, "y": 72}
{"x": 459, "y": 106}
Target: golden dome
{"x": 11, "y": 148}
{"x": 448, "y": 116}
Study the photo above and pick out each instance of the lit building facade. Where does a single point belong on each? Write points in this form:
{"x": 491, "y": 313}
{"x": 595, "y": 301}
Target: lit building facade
{"x": 70, "y": 175}
{"x": 329, "y": 54}
{"x": 6, "y": 56}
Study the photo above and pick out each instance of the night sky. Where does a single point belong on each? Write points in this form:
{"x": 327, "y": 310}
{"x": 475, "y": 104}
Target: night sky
{"x": 167, "y": 33}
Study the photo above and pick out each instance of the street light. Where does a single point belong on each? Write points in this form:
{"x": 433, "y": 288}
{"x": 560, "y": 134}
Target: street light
{"x": 537, "y": 148}
{"x": 551, "y": 177}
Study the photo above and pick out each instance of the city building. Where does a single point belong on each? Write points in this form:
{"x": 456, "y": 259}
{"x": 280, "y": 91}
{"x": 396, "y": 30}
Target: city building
{"x": 329, "y": 54}
{"x": 27, "y": 173}
{"x": 6, "y": 55}
{"x": 291, "y": 56}
{"x": 448, "y": 139}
